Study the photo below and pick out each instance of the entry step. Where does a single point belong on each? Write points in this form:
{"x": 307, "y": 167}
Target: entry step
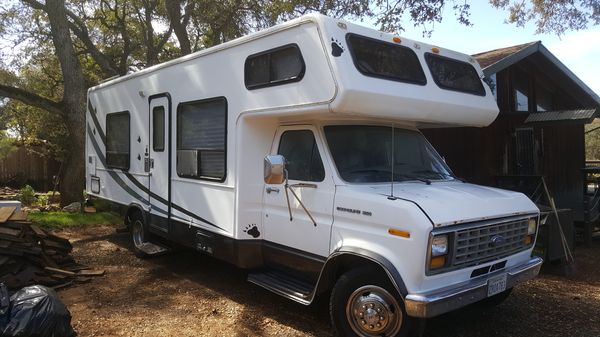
{"x": 153, "y": 249}
{"x": 283, "y": 284}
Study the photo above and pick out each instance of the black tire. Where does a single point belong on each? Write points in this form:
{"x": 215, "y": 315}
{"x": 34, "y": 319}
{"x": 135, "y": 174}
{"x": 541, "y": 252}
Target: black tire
{"x": 139, "y": 234}
{"x": 364, "y": 303}
{"x": 494, "y": 300}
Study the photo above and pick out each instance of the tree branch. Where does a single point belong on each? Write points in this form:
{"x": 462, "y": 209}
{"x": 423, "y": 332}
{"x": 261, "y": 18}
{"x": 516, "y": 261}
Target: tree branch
{"x": 31, "y": 99}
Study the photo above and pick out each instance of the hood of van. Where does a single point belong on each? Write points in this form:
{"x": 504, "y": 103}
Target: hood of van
{"x": 448, "y": 203}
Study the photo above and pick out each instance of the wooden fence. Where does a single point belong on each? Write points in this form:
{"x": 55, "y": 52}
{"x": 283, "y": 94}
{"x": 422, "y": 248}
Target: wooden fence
{"x": 25, "y": 167}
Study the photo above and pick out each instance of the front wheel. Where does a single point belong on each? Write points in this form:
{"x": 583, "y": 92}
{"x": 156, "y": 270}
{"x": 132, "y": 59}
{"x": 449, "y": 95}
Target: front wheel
{"x": 364, "y": 303}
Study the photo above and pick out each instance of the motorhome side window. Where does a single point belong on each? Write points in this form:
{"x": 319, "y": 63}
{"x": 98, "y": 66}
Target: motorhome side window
{"x": 201, "y": 139}
{"x": 454, "y": 75}
{"x": 158, "y": 128}
{"x": 303, "y": 161}
{"x": 117, "y": 140}
{"x": 385, "y": 60}
{"x": 274, "y": 67}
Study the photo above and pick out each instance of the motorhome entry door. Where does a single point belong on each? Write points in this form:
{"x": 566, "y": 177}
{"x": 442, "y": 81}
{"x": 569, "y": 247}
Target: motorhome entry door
{"x": 157, "y": 161}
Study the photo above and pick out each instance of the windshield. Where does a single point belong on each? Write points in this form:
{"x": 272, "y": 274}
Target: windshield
{"x": 363, "y": 154}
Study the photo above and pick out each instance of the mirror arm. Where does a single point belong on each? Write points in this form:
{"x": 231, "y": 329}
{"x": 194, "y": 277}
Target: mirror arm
{"x": 287, "y": 197}
{"x": 301, "y": 204}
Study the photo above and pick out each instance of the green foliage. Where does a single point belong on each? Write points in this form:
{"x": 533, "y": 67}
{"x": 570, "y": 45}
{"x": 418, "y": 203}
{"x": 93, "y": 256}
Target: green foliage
{"x": 7, "y": 145}
{"x": 592, "y": 140}
{"x": 27, "y": 195}
{"x": 62, "y": 220}
{"x": 552, "y": 16}
{"x": 42, "y": 200}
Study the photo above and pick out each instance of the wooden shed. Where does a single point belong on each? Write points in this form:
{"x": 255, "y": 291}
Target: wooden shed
{"x": 538, "y": 133}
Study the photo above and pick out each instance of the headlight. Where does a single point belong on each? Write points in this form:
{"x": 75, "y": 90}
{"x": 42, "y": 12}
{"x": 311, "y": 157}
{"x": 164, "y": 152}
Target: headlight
{"x": 439, "y": 245}
{"x": 532, "y": 226}
{"x": 531, "y": 229}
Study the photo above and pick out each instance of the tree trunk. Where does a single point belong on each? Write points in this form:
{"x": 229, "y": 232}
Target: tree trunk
{"x": 179, "y": 24}
{"x": 73, "y": 172}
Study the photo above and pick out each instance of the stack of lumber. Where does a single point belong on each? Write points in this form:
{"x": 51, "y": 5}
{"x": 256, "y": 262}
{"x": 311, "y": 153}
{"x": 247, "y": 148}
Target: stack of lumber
{"x": 30, "y": 255}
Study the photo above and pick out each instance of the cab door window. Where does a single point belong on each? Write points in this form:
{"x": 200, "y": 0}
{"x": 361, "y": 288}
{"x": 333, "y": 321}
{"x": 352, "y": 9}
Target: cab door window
{"x": 303, "y": 161}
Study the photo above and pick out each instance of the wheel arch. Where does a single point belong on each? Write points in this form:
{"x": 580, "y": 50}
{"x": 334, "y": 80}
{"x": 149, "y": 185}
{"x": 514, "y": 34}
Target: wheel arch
{"x": 348, "y": 258}
{"x": 134, "y": 208}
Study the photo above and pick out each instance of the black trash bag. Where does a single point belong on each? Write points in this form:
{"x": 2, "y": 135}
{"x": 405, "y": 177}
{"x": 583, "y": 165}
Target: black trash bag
{"x": 4, "y": 306}
{"x": 37, "y": 311}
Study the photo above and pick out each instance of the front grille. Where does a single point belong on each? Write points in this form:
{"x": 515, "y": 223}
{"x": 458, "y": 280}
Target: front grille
{"x": 489, "y": 242}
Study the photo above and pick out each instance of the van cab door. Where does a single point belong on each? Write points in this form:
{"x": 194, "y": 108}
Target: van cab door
{"x": 299, "y": 240}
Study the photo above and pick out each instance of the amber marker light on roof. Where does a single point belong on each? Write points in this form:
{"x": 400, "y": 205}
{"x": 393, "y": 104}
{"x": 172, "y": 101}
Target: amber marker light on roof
{"x": 400, "y": 233}
{"x": 435, "y": 50}
{"x": 397, "y": 39}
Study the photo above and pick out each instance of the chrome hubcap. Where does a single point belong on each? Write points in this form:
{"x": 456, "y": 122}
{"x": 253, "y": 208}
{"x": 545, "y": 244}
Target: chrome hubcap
{"x": 373, "y": 311}
{"x": 137, "y": 232}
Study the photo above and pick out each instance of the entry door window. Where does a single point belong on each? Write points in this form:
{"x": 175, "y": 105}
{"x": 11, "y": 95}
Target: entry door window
{"x": 303, "y": 161}
{"x": 158, "y": 132}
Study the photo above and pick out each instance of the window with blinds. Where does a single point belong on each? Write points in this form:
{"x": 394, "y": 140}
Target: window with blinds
{"x": 117, "y": 140}
{"x": 201, "y": 139}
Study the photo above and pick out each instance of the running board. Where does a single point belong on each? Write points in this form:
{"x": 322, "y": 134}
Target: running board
{"x": 284, "y": 285}
{"x": 153, "y": 249}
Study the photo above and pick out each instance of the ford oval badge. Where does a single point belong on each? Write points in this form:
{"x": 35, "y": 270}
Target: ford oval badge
{"x": 497, "y": 240}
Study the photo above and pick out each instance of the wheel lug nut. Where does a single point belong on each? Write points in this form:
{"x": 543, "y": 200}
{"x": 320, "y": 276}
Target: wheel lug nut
{"x": 381, "y": 318}
{"x": 361, "y": 314}
{"x": 379, "y": 325}
{"x": 378, "y": 309}
{"x": 364, "y": 322}
{"x": 371, "y": 326}
{"x": 364, "y": 307}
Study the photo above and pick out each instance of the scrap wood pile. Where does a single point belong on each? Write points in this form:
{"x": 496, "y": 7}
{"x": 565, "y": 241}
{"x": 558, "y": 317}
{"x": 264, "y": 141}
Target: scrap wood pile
{"x": 7, "y": 193}
{"x": 30, "y": 255}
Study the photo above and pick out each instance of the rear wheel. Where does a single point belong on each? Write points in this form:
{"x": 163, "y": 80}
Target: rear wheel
{"x": 138, "y": 234}
{"x": 364, "y": 303}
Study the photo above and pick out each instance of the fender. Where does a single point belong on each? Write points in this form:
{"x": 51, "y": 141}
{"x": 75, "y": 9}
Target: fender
{"x": 325, "y": 278}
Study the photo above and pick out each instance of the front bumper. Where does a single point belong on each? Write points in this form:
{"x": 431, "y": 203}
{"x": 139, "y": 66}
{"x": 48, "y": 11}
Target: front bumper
{"x": 438, "y": 302}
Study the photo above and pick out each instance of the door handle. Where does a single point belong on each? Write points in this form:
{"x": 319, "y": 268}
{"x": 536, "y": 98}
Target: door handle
{"x": 272, "y": 189}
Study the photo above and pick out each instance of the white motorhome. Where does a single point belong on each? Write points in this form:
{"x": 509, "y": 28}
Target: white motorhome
{"x": 295, "y": 153}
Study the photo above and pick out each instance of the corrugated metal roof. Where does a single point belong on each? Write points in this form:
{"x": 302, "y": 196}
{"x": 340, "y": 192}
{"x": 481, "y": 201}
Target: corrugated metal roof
{"x": 579, "y": 116}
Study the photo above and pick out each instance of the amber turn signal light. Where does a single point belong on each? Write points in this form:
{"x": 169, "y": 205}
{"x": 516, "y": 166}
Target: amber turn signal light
{"x": 437, "y": 262}
{"x": 400, "y": 233}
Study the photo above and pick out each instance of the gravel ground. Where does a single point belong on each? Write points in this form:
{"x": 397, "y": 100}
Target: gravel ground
{"x": 188, "y": 294}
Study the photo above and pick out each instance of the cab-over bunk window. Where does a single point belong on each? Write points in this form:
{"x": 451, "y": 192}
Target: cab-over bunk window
{"x": 117, "y": 140}
{"x": 201, "y": 139}
{"x": 274, "y": 67}
{"x": 375, "y": 58}
{"x": 454, "y": 75}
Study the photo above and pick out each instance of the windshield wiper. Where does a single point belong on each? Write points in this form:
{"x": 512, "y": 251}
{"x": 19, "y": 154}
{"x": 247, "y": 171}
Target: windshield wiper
{"x": 409, "y": 177}
{"x": 442, "y": 174}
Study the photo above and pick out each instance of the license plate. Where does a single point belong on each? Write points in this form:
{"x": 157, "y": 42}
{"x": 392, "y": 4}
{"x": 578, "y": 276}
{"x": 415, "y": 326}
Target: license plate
{"x": 496, "y": 285}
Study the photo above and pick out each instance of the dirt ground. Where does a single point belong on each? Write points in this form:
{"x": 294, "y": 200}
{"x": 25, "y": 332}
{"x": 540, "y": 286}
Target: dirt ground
{"x": 188, "y": 294}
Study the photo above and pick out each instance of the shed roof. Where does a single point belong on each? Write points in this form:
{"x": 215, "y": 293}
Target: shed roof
{"x": 496, "y": 60}
{"x": 576, "y": 116}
